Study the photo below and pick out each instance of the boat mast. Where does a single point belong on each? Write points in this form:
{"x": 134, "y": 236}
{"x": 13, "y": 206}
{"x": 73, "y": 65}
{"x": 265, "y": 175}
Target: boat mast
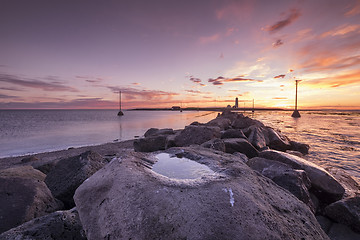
{"x": 120, "y": 113}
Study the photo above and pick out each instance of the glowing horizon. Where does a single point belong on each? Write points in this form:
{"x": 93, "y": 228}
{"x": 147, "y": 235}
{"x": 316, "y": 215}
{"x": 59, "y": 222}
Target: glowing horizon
{"x": 78, "y": 55}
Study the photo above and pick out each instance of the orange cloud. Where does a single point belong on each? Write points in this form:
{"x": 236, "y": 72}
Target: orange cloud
{"x": 349, "y": 78}
{"x": 354, "y": 10}
{"x": 220, "y": 80}
{"x": 341, "y": 30}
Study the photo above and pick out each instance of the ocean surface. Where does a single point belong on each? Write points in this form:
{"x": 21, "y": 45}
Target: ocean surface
{"x": 334, "y": 137}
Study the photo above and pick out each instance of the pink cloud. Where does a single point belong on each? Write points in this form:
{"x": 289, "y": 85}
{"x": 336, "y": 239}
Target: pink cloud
{"x": 293, "y": 15}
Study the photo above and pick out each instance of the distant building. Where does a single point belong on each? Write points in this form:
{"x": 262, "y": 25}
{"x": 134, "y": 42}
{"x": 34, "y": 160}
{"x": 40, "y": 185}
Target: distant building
{"x": 236, "y": 103}
{"x": 174, "y": 108}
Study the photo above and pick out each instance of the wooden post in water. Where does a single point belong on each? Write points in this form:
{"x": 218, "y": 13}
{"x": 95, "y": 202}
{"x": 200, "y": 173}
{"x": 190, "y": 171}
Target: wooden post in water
{"x": 296, "y": 113}
{"x": 120, "y": 113}
{"x": 253, "y": 110}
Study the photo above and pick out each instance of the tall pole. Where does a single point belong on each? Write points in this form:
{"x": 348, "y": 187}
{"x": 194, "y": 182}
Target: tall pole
{"x": 120, "y": 113}
{"x": 296, "y": 113}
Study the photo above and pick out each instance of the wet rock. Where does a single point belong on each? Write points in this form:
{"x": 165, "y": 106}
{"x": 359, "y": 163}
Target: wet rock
{"x": 352, "y": 187}
{"x": 222, "y": 123}
{"x": 242, "y": 122}
{"x": 156, "y": 131}
{"x": 300, "y": 147}
{"x": 233, "y": 133}
{"x": 150, "y": 144}
{"x": 216, "y": 144}
{"x": 196, "y": 135}
{"x": 23, "y": 196}
{"x": 342, "y": 232}
{"x": 257, "y": 137}
{"x": 69, "y": 173}
{"x": 241, "y": 156}
{"x": 57, "y": 225}
{"x": 277, "y": 140}
{"x": 240, "y": 145}
{"x": 346, "y": 211}
{"x": 268, "y": 168}
{"x": 128, "y": 200}
{"x": 325, "y": 186}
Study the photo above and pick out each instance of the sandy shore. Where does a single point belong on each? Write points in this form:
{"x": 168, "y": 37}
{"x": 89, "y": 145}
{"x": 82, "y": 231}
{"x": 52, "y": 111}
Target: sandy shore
{"x": 106, "y": 149}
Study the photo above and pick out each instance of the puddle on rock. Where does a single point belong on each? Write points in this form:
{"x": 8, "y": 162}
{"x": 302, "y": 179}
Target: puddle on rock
{"x": 180, "y": 168}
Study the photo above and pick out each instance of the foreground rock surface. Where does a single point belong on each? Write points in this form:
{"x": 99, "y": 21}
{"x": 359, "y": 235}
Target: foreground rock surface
{"x": 58, "y": 225}
{"x": 69, "y": 173}
{"x": 23, "y": 196}
{"x": 126, "y": 199}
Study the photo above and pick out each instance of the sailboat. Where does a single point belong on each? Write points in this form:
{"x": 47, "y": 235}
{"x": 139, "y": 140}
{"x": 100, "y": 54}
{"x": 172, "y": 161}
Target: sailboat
{"x": 120, "y": 113}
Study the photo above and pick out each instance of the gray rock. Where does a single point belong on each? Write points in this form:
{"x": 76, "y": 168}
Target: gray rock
{"x": 324, "y": 222}
{"x": 156, "y": 131}
{"x": 346, "y": 211}
{"x": 258, "y": 138}
{"x": 196, "y": 135}
{"x": 216, "y": 144}
{"x": 233, "y": 133}
{"x": 240, "y": 145}
{"x": 23, "y": 196}
{"x": 295, "y": 181}
{"x": 29, "y": 159}
{"x": 222, "y": 123}
{"x": 300, "y": 147}
{"x": 325, "y": 186}
{"x": 277, "y": 140}
{"x": 342, "y": 232}
{"x": 57, "y": 225}
{"x": 69, "y": 173}
{"x": 128, "y": 200}
{"x": 242, "y": 122}
{"x": 151, "y": 143}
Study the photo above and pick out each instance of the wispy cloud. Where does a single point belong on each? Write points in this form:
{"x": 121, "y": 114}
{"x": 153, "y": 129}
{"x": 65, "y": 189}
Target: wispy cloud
{"x": 90, "y": 79}
{"x": 339, "y": 80}
{"x": 10, "y": 89}
{"x": 277, "y": 43}
{"x": 291, "y": 17}
{"x": 221, "y": 80}
{"x": 279, "y": 98}
{"x": 4, "y": 96}
{"x": 280, "y": 76}
{"x": 33, "y": 83}
{"x": 354, "y": 10}
{"x": 142, "y": 94}
{"x": 342, "y": 30}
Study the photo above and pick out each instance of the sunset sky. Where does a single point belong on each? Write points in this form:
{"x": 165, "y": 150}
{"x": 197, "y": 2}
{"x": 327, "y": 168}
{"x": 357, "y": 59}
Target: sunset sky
{"x": 159, "y": 53}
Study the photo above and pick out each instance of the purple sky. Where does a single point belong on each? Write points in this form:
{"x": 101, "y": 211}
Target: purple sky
{"x": 78, "y": 54}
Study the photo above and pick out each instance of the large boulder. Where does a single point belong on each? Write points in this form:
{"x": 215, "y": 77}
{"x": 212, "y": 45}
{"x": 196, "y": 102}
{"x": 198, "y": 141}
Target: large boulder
{"x": 346, "y": 211}
{"x": 196, "y": 135}
{"x": 127, "y": 200}
{"x": 295, "y": 181}
{"x": 69, "y": 173}
{"x": 221, "y": 122}
{"x": 325, "y": 186}
{"x": 300, "y": 147}
{"x": 233, "y": 133}
{"x": 242, "y": 122}
{"x": 24, "y": 196}
{"x": 156, "y": 131}
{"x": 277, "y": 140}
{"x": 150, "y": 143}
{"x": 258, "y": 137}
{"x": 216, "y": 144}
{"x": 240, "y": 145}
{"x": 57, "y": 225}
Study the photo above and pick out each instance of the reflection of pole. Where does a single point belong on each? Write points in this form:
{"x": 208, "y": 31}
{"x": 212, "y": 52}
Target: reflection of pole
{"x": 296, "y": 113}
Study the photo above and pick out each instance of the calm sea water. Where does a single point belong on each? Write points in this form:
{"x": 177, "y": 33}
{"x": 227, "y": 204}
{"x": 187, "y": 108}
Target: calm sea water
{"x": 334, "y": 137}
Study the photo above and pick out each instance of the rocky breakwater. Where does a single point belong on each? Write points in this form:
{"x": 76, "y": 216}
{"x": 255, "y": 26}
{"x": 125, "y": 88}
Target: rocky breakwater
{"x": 273, "y": 155}
{"x": 230, "y": 178}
